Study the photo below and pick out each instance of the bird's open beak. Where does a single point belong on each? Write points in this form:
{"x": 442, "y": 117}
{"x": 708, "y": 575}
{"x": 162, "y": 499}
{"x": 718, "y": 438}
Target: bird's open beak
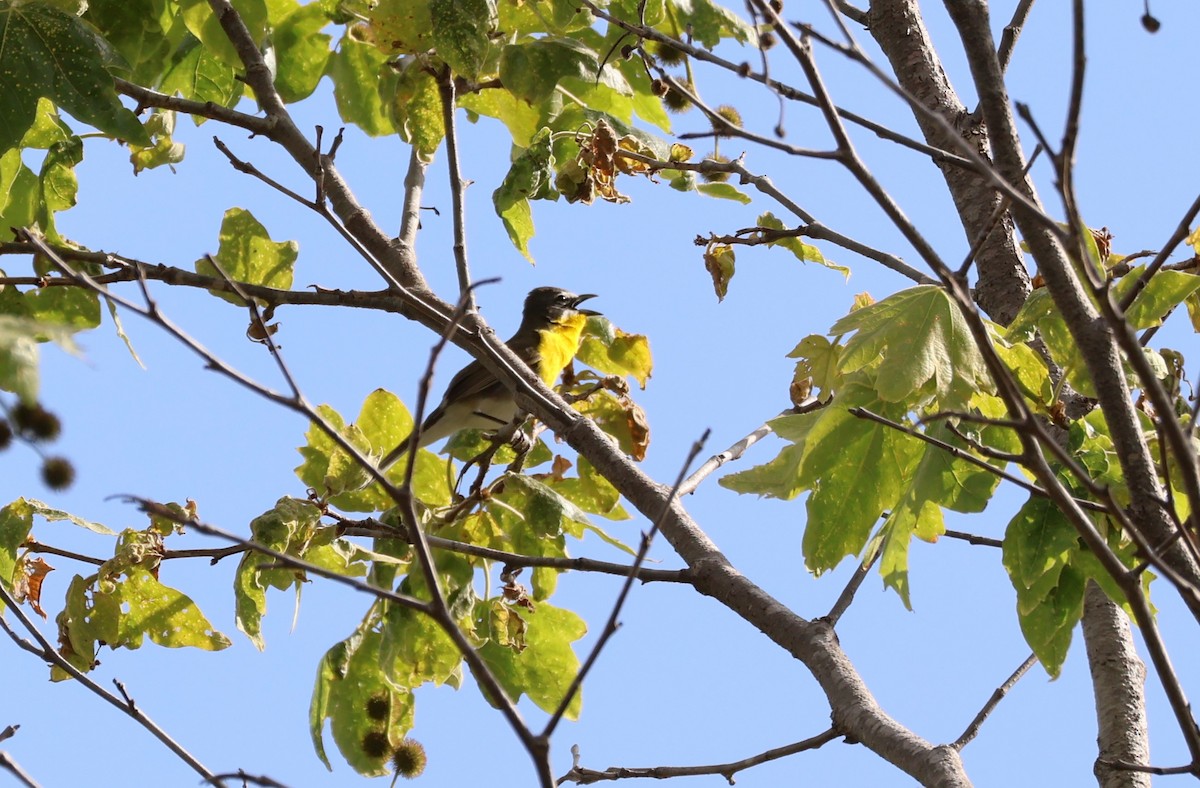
{"x": 579, "y": 299}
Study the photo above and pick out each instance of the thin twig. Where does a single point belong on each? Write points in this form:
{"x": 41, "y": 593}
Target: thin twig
{"x": 611, "y": 626}
{"x": 445, "y": 82}
{"x": 284, "y": 559}
{"x": 12, "y": 767}
{"x": 975, "y": 539}
{"x": 582, "y": 776}
{"x": 856, "y": 580}
{"x": 973, "y": 728}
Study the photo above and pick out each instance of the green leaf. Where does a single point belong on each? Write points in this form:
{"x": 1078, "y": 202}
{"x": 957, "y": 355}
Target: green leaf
{"x": 532, "y": 70}
{"x": 544, "y": 16}
{"x": 292, "y": 527}
{"x": 302, "y": 52}
{"x": 417, "y": 109}
{"x": 361, "y": 79}
{"x": 19, "y": 337}
{"x": 58, "y": 515}
{"x": 49, "y": 53}
{"x": 521, "y": 119}
{"x": 164, "y": 150}
{"x": 531, "y": 177}
{"x": 724, "y": 191}
{"x": 204, "y": 25}
{"x": 19, "y": 193}
{"x": 135, "y": 29}
{"x": 779, "y": 478}
{"x": 911, "y": 516}
{"x": 248, "y": 255}
{"x": 544, "y": 668}
{"x": 414, "y": 650}
{"x": 1048, "y": 625}
{"x": 1165, "y": 291}
{"x": 709, "y": 22}
{"x": 1038, "y": 544}
{"x": 803, "y": 252}
{"x": 462, "y": 33}
{"x": 402, "y": 26}
{"x": 169, "y": 617}
{"x": 353, "y": 692}
{"x": 855, "y": 467}
{"x": 610, "y": 350}
{"x": 912, "y": 338}
{"x": 16, "y": 520}
{"x": 200, "y": 75}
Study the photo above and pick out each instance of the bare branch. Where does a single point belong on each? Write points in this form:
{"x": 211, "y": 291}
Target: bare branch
{"x": 998, "y": 695}
{"x": 611, "y": 626}
{"x": 583, "y": 776}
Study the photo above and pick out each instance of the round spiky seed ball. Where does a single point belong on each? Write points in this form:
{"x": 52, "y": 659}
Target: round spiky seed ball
{"x": 378, "y": 707}
{"x": 58, "y": 473}
{"x": 36, "y": 422}
{"x": 675, "y": 101}
{"x": 375, "y": 744}
{"x": 715, "y": 177}
{"x": 409, "y": 759}
{"x": 730, "y": 115}
{"x": 667, "y": 54}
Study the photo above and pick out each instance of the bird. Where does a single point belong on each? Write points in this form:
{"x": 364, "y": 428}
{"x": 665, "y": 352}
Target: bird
{"x": 551, "y": 328}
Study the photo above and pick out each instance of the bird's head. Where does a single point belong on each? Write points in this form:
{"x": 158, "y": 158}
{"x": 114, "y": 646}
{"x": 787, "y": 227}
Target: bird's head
{"x": 552, "y": 305}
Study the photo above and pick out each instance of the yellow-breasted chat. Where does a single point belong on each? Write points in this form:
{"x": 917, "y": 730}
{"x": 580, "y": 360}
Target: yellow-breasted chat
{"x": 551, "y": 328}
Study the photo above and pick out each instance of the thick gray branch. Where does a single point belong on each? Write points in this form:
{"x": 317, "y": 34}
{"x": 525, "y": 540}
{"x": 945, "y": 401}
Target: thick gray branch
{"x": 1123, "y": 735}
{"x": 900, "y": 31}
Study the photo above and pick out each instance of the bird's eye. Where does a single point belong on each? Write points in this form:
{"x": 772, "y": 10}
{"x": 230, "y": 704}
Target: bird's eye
{"x": 562, "y": 298}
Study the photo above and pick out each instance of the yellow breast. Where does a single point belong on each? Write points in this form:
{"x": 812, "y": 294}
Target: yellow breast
{"x": 557, "y": 346}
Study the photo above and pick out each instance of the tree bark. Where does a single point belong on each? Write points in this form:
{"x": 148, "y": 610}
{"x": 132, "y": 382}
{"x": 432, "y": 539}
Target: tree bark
{"x": 1003, "y": 283}
{"x": 1118, "y": 681}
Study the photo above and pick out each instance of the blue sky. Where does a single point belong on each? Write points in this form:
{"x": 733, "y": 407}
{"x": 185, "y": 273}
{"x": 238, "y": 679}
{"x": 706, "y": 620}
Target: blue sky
{"x": 684, "y": 681}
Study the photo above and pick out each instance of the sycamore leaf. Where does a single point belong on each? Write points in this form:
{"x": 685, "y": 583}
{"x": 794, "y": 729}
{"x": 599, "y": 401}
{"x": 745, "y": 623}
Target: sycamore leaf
{"x": 915, "y": 337}
{"x": 247, "y": 254}
{"x": 462, "y": 33}
{"x": 803, "y": 252}
{"x": 16, "y": 520}
{"x": 854, "y": 467}
{"x": 719, "y": 262}
{"x": 167, "y": 616}
{"x": 204, "y": 25}
{"x": 401, "y": 26}
{"x": 544, "y": 668}
{"x": 531, "y": 177}
{"x": 532, "y": 70}
{"x": 361, "y": 80}
{"x": 415, "y": 650}
{"x": 135, "y": 29}
{"x": 1038, "y": 544}
{"x": 354, "y": 693}
{"x": 417, "y": 109}
{"x": 57, "y": 515}
{"x": 521, "y": 119}
{"x": 612, "y": 351}
{"x": 1164, "y": 291}
{"x": 200, "y": 75}
{"x": 709, "y": 22}
{"x": 724, "y": 191}
{"x": 47, "y": 52}
{"x": 301, "y": 51}
{"x": 19, "y": 337}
